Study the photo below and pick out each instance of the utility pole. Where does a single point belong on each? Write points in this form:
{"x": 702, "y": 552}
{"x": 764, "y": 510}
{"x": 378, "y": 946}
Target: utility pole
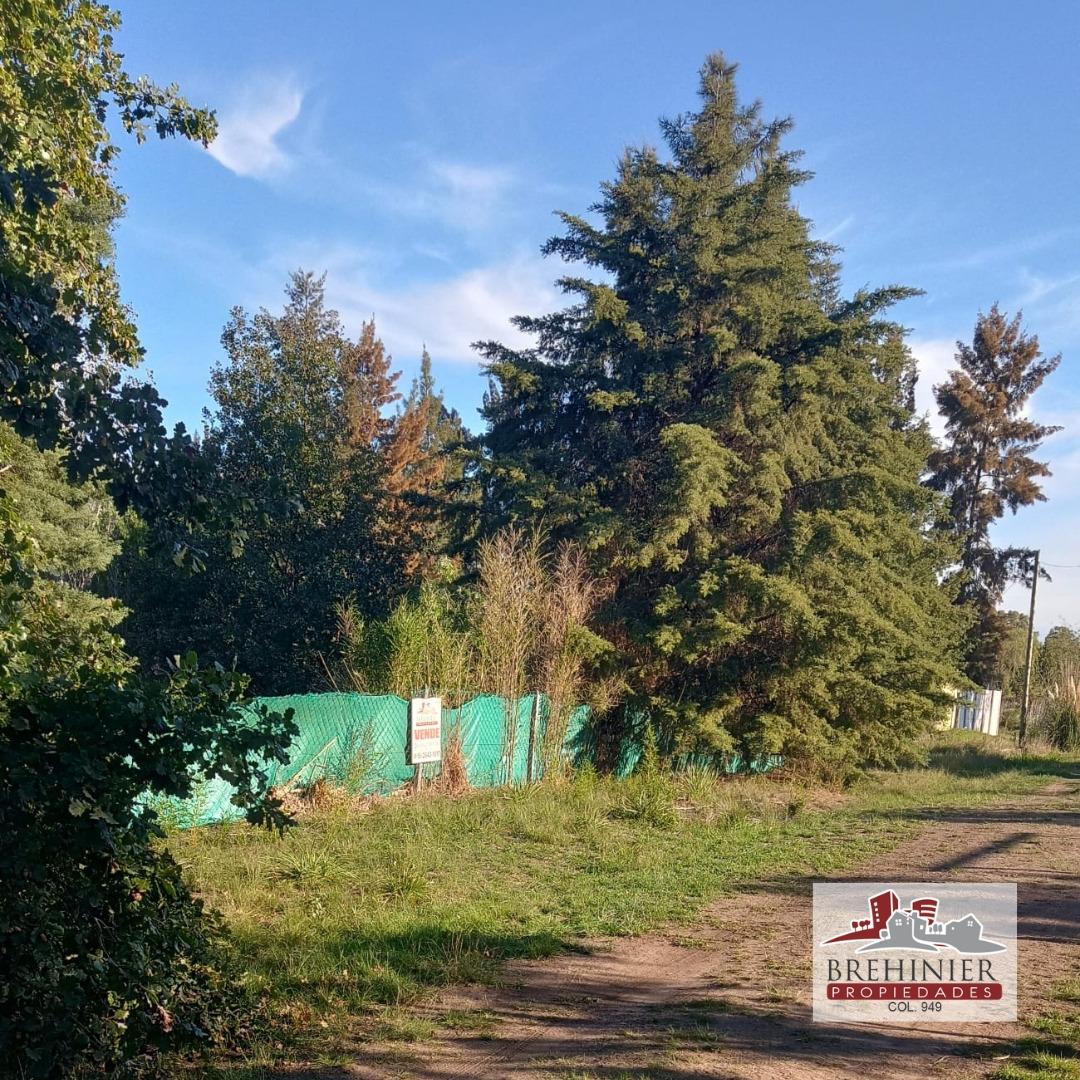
{"x": 1027, "y": 656}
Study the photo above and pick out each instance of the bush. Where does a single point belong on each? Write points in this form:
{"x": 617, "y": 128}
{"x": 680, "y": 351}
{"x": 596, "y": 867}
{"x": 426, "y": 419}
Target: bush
{"x": 107, "y": 956}
{"x": 649, "y": 794}
{"x": 1058, "y": 718}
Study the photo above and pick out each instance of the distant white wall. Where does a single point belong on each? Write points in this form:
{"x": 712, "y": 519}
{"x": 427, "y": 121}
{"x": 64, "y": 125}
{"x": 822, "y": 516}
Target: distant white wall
{"x": 978, "y": 710}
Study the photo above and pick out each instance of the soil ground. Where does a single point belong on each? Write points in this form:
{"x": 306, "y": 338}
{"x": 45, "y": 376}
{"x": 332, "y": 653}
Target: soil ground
{"x": 707, "y": 1002}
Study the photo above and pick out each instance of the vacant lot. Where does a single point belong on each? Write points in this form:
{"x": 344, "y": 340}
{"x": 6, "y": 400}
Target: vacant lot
{"x": 728, "y": 997}
{"x": 351, "y": 915}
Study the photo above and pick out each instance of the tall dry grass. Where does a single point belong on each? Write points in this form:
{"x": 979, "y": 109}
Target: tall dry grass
{"x": 565, "y": 645}
{"x": 521, "y": 629}
{"x": 506, "y": 612}
{"x": 1057, "y": 718}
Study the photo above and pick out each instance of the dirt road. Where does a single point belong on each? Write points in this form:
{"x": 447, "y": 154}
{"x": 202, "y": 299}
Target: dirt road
{"x": 708, "y": 1002}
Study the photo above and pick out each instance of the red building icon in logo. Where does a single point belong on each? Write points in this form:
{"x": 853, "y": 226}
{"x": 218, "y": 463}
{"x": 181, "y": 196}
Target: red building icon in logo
{"x": 926, "y": 907}
{"x": 881, "y": 907}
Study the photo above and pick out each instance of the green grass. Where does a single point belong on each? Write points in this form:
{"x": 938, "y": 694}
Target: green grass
{"x": 348, "y": 913}
{"x": 1053, "y": 1055}
{"x": 1040, "y": 1065}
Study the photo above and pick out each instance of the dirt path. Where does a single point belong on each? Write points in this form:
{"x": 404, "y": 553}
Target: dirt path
{"x": 707, "y": 1003}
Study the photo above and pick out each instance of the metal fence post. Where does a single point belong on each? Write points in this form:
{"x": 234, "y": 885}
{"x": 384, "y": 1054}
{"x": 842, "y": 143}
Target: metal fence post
{"x": 533, "y": 717}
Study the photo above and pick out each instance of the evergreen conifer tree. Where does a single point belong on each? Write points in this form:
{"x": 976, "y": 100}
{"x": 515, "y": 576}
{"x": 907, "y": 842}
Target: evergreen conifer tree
{"x": 422, "y": 464}
{"x": 985, "y": 466}
{"x": 735, "y": 443}
{"x": 370, "y": 387}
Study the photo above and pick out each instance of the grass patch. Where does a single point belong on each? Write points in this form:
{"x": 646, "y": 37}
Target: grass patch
{"x": 349, "y": 911}
{"x": 1053, "y": 1055}
{"x": 1040, "y": 1065}
{"x": 480, "y": 1023}
{"x": 401, "y": 1027}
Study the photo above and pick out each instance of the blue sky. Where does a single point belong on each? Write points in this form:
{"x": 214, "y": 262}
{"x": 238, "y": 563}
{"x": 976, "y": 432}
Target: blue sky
{"x": 416, "y": 151}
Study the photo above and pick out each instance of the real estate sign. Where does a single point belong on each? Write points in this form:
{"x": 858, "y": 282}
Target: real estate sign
{"x": 425, "y": 730}
{"x": 909, "y": 951}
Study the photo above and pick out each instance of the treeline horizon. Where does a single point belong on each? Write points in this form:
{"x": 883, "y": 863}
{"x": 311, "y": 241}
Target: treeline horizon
{"x": 790, "y": 562}
{"x": 732, "y": 440}
{"x": 427, "y": 446}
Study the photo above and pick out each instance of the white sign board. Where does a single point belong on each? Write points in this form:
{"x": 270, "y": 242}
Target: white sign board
{"x": 425, "y": 730}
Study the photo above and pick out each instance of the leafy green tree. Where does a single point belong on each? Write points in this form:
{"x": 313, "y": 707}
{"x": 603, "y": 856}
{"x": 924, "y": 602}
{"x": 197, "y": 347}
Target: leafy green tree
{"x": 1059, "y": 654}
{"x": 67, "y": 343}
{"x": 735, "y": 444}
{"x": 1009, "y": 643}
{"x": 985, "y": 465}
{"x": 61, "y": 79}
{"x": 107, "y": 956}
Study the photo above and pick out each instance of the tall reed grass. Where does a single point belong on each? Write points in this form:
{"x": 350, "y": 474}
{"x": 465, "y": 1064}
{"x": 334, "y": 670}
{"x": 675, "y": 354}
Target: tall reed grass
{"x": 1057, "y": 718}
{"x": 520, "y": 628}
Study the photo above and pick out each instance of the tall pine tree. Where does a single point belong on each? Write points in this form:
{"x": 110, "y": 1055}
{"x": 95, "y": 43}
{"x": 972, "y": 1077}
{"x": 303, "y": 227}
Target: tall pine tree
{"x": 297, "y": 436}
{"x": 986, "y": 467}
{"x": 423, "y": 467}
{"x": 736, "y": 446}
{"x": 369, "y": 388}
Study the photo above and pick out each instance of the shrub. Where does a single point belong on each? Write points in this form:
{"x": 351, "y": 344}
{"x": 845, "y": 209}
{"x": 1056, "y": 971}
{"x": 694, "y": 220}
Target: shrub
{"x": 356, "y": 761}
{"x": 107, "y": 957}
{"x": 422, "y": 645}
{"x": 1059, "y": 712}
{"x": 520, "y": 628}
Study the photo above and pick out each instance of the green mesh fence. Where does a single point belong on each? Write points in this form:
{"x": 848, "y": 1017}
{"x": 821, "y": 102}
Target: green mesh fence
{"x": 335, "y": 728}
{"x": 359, "y": 740}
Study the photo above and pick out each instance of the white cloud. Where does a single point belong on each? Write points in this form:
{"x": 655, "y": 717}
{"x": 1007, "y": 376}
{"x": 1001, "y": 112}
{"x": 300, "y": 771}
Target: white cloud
{"x": 472, "y": 181}
{"x": 466, "y": 197}
{"x": 248, "y": 127}
{"x": 934, "y": 356}
{"x": 1038, "y": 287}
{"x": 1051, "y": 305}
{"x": 1007, "y": 251}
{"x": 447, "y": 314}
